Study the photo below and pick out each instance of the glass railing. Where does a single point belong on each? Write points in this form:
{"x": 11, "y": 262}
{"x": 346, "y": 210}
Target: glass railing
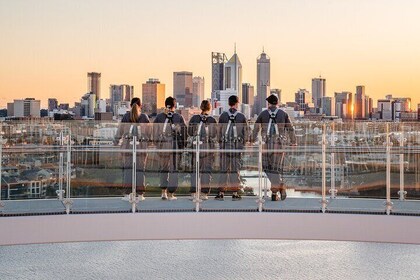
{"x": 95, "y": 167}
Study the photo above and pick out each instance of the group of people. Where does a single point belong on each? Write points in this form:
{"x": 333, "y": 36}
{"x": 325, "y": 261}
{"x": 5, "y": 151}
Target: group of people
{"x": 171, "y": 136}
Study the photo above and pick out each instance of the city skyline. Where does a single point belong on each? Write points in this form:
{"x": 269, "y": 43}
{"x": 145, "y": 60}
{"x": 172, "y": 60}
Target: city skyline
{"x": 304, "y": 40}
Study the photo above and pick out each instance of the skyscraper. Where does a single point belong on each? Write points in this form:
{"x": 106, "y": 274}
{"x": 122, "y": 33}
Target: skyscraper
{"x": 328, "y": 106}
{"x": 247, "y": 94}
{"x": 52, "y": 104}
{"x": 94, "y": 84}
{"x": 263, "y": 82}
{"x": 28, "y": 107}
{"x": 343, "y": 105}
{"x": 183, "y": 88}
{"x": 233, "y": 75}
{"x": 118, "y": 93}
{"x": 318, "y": 91}
{"x": 153, "y": 96}
{"x": 302, "y": 98}
{"x": 218, "y": 61}
{"x": 198, "y": 91}
{"x": 360, "y": 103}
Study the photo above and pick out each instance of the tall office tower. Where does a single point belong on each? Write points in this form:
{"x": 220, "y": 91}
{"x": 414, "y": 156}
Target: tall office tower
{"x": 218, "y": 61}
{"x": 118, "y": 93}
{"x": 88, "y": 104}
{"x": 128, "y": 92}
{"x": 233, "y": 75}
{"x": 247, "y": 94}
{"x": 303, "y": 98}
{"x": 28, "y": 107}
{"x": 367, "y": 112}
{"x": 328, "y": 106}
{"x": 153, "y": 96}
{"x": 385, "y": 109}
{"x": 263, "y": 82}
{"x": 94, "y": 84}
{"x": 343, "y": 104}
{"x": 359, "y": 103}
{"x": 198, "y": 91}
{"x": 52, "y": 104}
{"x": 318, "y": 91}
{"x": 418, "y": 112}
{"x": 183, "y": 88}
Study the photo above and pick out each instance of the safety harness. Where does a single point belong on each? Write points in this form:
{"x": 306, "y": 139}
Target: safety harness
{"x": 232, "y": 117}
{"x": 272, "y": 120}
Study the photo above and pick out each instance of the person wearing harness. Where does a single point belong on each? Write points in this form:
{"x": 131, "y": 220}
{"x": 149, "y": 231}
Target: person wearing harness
{"x": 274, "y": 123}
{"x": 233, "y": 133}
{"x": 127, "y": 129}
{"x": 202, "y": 127}
{"x": 169, "y": 134}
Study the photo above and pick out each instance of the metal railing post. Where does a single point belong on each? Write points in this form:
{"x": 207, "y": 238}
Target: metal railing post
{"x": 324, "y": 200}
{"x": 133, "y": 196}
{"x": 260, "y": 201}
{"x": 333, "y": 190}
{"x": 1, "y": 164}
{"x": 402, "y": 193}
{"x": 388, "y": 202}
{"x": 197, "y": 199}
{"x": 68, "y": 202}
{"x": 60, "y": 192}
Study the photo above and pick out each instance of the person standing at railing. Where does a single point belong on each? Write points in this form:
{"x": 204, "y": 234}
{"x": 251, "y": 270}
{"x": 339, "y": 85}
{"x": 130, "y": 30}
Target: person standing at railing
{"x": 170, "y": 133}
{"x": 134, "y": 124}
{"x": 202, "y": 128}
{"x": 274, "y": 124}
{"x": 233, "y": 133}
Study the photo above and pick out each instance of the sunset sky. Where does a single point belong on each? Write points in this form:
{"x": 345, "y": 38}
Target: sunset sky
{"x": 48, "y": 46}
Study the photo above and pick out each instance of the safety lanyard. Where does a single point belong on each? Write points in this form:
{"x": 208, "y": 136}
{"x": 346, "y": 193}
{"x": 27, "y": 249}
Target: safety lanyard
{"x": 272, "y": 119}
{"x": 232, "y": 118}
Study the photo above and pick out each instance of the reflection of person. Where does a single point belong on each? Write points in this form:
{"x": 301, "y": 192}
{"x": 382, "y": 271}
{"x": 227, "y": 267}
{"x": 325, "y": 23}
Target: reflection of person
{"x": 170, "y": 134}
{"x": 127, "y": 129}
{"x": 274, "y": 123}
{"x": 233, "y": 135}
{"x": 203, "y": 127}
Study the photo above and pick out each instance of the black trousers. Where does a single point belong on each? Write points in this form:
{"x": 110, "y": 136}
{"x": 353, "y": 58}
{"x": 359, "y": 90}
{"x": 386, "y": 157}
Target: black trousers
{"x": 168, "y": 166}
{"x": 141, "y": 159}
{"x": 206, "y": 166}
{"x": 230, "y": 167}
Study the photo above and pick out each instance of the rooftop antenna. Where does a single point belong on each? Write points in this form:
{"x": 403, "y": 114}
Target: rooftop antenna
{"x": 235, "y": 48}
{"x": 263, "y": 49}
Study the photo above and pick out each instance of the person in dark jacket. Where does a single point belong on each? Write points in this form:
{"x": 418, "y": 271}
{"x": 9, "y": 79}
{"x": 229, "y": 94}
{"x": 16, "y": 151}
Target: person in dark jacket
{"x": 233, "y": 133}
{"x": 276, "y": 130}
{"x": 170, "y": 134}
{"x": 134, "y": 124}
{"x": 202, "y": 128}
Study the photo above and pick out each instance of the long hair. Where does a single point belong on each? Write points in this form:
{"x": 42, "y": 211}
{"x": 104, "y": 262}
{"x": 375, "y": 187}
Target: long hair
{"x": 134, "y": 112}
{"x": 205, "y": 106}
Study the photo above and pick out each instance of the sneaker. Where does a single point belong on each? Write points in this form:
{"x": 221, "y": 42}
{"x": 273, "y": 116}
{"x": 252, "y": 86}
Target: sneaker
{"x": 171, "y": 196}
{"x": 275, "y": 196}
{"x": 126, "y": 197}
{"x": 220, "y": 196}
{"x": 164, "y": 195}
{"x": 236, "y": 196}
{"x": 204, "y": 196}
{"x": 141, "y": 197}
{"x": 192, "y": 196}
{"x": 283, "y": 194}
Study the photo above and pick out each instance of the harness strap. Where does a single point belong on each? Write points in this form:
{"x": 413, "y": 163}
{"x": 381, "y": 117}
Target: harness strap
{"x": 232, "y": 118}
{"x": 271, "y": 121}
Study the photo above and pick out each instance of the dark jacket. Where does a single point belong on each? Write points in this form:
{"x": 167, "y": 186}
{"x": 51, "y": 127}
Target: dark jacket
{"x": 282, "y": 121}
{"x": 208, "y": 134}
{"x": 125, "y": 130}
{"x": 241, "y": 125}
{"x": 175, "y": 130}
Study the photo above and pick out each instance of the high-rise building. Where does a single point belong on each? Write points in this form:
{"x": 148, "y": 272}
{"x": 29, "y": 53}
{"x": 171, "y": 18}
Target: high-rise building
{"x": 94, "y": 84}
{"x": 88, "y": 105}
{"x": 198, "y": 91}
{"x": 218, "y": 61}
{"x": 118, "y": 93}
{"x": 28, "y": 107}
{"x": 247, "y": 94}
{"x": 343, "y": 104}
{"x": 276, "y": 92}
{"x": 360, "y": 103}
{"x": 303, "y": 98}
{"x": 153, "y": 96}
{"x": 183, "y": 88}
{"x": 318, "y": 91}
{"x": 52, "y": 104}
{"x": 263, "y": 82}
{"x": 328, "y": 106}
{"x": 233, "y": 75}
